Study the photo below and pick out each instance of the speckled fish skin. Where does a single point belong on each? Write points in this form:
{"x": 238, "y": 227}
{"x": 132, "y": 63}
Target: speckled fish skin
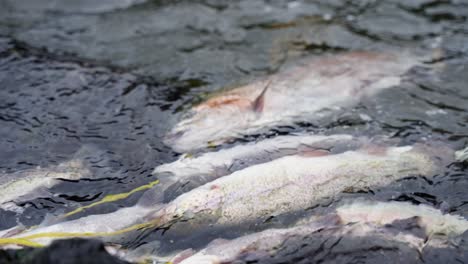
{"x": 300, "y": 93}
{"x": 264, "y": 244}
{"x": 29, "y": 184}
{"x": 225, "y": 251}
{"x": 293, "y": 183}
{"x": 363, "y": 217}
{"x": 192, "y": 171}
{"x": 382, "y": 213}
{"x": 273, "y": 188}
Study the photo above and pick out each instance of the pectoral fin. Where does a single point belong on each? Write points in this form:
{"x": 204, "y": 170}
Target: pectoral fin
{"x": 259, "y": 102}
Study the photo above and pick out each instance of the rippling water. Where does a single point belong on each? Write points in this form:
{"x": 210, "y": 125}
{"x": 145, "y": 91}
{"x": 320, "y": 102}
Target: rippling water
{"x": 115, "y": 77}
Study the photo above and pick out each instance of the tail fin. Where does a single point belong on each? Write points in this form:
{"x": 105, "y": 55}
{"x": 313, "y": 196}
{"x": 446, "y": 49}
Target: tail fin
{"x": 462, "y": 155}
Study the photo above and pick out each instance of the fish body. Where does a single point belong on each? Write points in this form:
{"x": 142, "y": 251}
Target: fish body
{"x": 33, "y": 183}
{"x": 382, "y": 213}
{"x": 30, "y": 184}
{"x": 293, "y": 183}
{"x": 358, "y": 219}
{"x": 92, "y": 224}
{"x": 250, "y": 154}
{"x": 301, "y": 93}
{"x": 265, "y": 244}
{"x": 212, "y": 165}
{"x": 225, "y": 251}
{"x": 192, "y": 171}
{"x": 288, "y": 184}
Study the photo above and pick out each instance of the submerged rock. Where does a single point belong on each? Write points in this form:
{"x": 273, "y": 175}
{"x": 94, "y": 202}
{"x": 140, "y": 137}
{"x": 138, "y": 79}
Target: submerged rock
{"x": 71, "y": 251}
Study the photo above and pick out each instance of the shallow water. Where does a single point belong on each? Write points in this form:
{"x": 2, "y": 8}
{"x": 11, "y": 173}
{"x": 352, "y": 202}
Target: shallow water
{"x": 117, "y": 77}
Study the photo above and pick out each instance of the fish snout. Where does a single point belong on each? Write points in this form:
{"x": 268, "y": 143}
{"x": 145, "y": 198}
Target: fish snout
{"x": 173, "y": 136}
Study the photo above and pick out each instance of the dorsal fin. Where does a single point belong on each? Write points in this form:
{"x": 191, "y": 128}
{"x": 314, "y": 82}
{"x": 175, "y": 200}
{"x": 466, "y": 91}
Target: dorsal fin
{"x": 259, "y": 102}
{"x": 310, "y": 152}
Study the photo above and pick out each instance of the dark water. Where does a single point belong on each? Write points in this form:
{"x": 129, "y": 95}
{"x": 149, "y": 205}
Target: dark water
{"x": 114, "y": 76}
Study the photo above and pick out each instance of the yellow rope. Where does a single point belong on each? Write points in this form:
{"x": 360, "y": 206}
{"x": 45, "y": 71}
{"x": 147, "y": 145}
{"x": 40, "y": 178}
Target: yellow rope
{"x": 19, "y": 241}
{"x": 27, "y": 240}
{"x": 112, "y": 198}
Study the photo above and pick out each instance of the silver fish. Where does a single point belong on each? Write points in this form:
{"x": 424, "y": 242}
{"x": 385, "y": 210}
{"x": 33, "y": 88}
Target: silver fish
{"x": 382, "y": 213}
{"x": 221, "y": 250}
{"x": 29, "y": 184}
{"x": 33, "y": 183}
{"x": 102, "y": 223}
{"x": 301, "y": 93}
{"x": 287, "y": 184}
{"x": 208, "y": 164}
{"x": 293, "y": 183}
{"x": 358, "y": 218}
{"x": 265, "y": 244}
{"x": 191, "y": 171}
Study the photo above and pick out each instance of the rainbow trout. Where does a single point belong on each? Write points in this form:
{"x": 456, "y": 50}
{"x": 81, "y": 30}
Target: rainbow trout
{"x": 33, "y": 183}
{"x": 287, "y": 184}
{"x": 383, "y": 213}
{"x": 191, "y": 171}
{"x": 293, "y": 183}
{"x": 29, "y": 184}
{"x": 304, "y": 92}
{"x": 266, "y": 244}
{"x": 358, "y": 218}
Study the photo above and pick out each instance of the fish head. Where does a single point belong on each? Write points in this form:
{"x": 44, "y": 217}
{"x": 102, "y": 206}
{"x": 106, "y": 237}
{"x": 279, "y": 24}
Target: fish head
{"x": 196, "y": 203}
{"x": 219, "y": 119}
{"x": 211, "y": 123}
{"x": 439, "y": 153}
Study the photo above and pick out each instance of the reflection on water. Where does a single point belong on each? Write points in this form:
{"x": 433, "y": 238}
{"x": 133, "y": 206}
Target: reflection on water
{"x": 117, "y": 76}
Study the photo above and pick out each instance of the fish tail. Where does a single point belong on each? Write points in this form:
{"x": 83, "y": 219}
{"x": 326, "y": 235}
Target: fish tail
{"x": 462, "y": 155}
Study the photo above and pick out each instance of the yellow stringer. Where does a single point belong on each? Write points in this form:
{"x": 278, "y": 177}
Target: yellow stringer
{"x": 112, "y": 198}
{"x": 28, "y": 240}
{"x": 19, "y": 241}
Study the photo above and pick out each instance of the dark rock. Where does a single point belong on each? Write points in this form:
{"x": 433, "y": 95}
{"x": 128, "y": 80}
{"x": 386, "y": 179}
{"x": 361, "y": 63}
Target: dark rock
{"x": 70, "y": 251}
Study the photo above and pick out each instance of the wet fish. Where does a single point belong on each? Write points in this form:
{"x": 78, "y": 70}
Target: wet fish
{"x": 225, "y": 251}
{"x": 287, "y": 184}
{"x": 29, "y": 184}
{"x": 359, "y": 218}
{"x": 382, "y": 213}
{"x": 206, "y": 167}
{"x": 33, "y": 183}
{"x": 300, "y": 93}
{"x": 293, "y": 183}
{"x": 190, "y": 171}
{"x": 102, "y": 223}
{"x": 266, "y": 244}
